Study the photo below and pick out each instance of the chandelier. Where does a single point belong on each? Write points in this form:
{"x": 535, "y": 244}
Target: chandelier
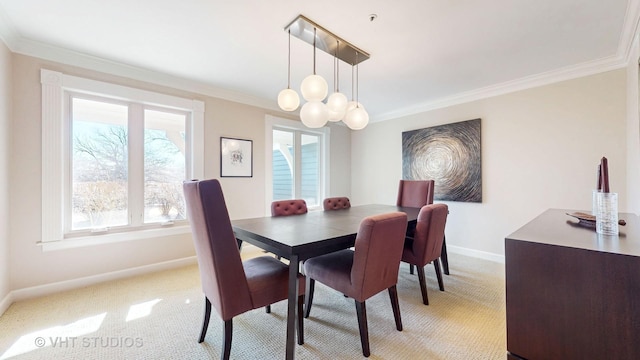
{"x": 315, "y": 113}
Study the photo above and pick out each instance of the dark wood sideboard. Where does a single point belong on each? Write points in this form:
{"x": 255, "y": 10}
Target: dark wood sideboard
{"x": 571, "y": 293}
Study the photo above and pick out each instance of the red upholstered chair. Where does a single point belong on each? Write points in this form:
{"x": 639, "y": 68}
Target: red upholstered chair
{"x": 361, "y": 273}
{"x": 427, "y": 243}
{"x": 231, "y": 285}
{"x": 336, "y": 203}
{"x": 288, "y": 207}
{"x": 415, "y": 193}
{"x": 418, "y": 193}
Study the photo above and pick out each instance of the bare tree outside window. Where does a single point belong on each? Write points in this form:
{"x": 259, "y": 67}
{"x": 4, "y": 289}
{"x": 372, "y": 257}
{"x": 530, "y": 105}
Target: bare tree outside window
{"x": 100, "y": 153}
{"x": 164, "y": 166}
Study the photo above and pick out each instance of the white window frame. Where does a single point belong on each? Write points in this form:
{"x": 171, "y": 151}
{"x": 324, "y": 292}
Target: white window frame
{"x": 55, "y": 140}
{"x": 273, "y": 122}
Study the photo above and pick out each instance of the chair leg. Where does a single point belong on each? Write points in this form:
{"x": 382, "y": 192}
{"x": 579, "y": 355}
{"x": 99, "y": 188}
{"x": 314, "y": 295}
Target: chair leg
{"x": 423, "y": 285}
{"x": 205, "y": 321}
{"x": 436, "y": 264}
{"x": 361, "y": 310}
{"x": 268, "y": 309}
{"x": 411, "y": 269}
{"x": 226, "y": 339}
{"x": 444, "y": 256}
{"x": 308, "y": 296}
{"x": 395, "y": 305}
{"x": 300, "y": 320}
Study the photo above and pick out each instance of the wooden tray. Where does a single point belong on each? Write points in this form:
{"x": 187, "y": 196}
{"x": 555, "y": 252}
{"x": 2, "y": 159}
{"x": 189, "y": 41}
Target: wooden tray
{"x": 589, "y": 220}
{"x": 586, "y": 219}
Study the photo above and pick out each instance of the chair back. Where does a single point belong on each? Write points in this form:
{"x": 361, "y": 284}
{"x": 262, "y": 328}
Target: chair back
{"x": 288, "y": 207}
{"x": 377, "y": 254}
{"x": 415, "y": 193}
{"x": 429, "y": 234}
{"x": 222, "y": 275}
{"x": 336, "y": 203}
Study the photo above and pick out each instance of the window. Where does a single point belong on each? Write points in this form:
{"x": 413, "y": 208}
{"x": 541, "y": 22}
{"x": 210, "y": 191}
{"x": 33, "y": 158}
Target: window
{"x": 99, "y": 163}
{"x": 297, "y": 162}
{"x": 114, "y": 159}
{"x": 164, "y": 166}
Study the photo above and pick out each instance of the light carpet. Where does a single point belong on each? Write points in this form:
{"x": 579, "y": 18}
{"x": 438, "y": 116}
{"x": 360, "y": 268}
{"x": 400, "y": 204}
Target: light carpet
{"x": 158, "y": 316}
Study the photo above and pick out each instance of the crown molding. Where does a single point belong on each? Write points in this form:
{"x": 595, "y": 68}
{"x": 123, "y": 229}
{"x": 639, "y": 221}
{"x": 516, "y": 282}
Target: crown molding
{"x": 68, "y": 57}
{"x": 617, "y": 61}
{"x": 629, "y": 30}
{"x": 64, "y": 56}
{"x": 527, "y": 82}
{"x": 20, "y": 45}
{"x": 7, "y": 30}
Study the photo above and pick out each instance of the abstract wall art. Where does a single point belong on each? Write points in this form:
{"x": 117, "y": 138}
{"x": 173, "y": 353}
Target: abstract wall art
{"x": 448, "y": 154}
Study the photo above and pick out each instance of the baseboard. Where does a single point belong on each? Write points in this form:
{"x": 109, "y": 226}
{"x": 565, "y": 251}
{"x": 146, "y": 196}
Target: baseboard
{"x": 41, "y": 290}
{"x": 6, "y": 302}
{"x": 476, "y": 253}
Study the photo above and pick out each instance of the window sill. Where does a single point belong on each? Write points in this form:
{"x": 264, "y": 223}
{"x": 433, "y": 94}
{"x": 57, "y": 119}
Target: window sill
{"x": 113, "y": 238}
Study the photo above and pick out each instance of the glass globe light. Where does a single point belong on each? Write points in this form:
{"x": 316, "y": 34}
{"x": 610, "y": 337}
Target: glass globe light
{"x": 314, "y": 88}
{"x": 337, "y": 105}
{"x": 357, "y": 118}
{"x": 288, "y": 100}
{"x": 352, "y": 105}
{"x": 314, "y": 114}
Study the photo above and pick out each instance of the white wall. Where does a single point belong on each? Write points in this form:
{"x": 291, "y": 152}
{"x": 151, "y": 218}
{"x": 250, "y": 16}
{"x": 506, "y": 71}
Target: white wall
{"x": 340, "y": 160}
{"x": 30, "y": 266}
{"x": 5, "y": 150}
{"x": 633, "y": 129}
{"x": 245, "y": 197}
{"x": 540, "y": 149}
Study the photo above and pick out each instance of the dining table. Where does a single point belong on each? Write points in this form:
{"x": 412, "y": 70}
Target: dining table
{"x": 300, "y": 237}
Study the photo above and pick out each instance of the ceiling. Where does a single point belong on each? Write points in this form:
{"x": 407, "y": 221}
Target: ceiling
{"x": 424, "y": 54}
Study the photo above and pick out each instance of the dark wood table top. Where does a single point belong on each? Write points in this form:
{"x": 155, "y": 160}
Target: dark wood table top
{"x": 555, "y": 227}
{"x": 311, "y": 234}
{"x": 299, "y": 237}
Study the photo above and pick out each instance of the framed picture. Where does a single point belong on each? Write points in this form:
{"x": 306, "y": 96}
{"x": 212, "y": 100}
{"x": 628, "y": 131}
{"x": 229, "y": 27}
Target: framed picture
{"x": 236, "y": 157}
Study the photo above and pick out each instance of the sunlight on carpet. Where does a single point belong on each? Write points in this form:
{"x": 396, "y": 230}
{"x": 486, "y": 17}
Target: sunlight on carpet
{"x": 158, "y": 316}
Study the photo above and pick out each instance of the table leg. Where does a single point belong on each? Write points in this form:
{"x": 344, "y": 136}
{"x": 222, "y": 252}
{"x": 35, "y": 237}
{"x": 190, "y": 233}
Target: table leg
{"x": 292, "y": 304}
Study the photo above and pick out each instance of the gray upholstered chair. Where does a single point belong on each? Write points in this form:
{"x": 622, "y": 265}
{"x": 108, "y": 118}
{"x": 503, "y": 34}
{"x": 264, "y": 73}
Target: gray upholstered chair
{"x": 361, "y": 273}
{"x": 336, "y": 203}
{"x": 231, "y": 285}
{"x": 418, "y": 193}
{"x": 426, "y": 245}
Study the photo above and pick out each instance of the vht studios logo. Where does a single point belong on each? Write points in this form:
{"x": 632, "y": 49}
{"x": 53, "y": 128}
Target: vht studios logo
{"x": 89, "y": 342}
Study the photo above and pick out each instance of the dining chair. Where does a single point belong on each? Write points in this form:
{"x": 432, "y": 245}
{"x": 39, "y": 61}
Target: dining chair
{"x": 231, "y": 285}
{"x": 426, "y": 245}
{"x": 415, "y": 193}
{"x": 288, "y": 207}
{"x": 365, "y": 271}
{"x": 418, "y": 193}
{"x": 336, "y": 203}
